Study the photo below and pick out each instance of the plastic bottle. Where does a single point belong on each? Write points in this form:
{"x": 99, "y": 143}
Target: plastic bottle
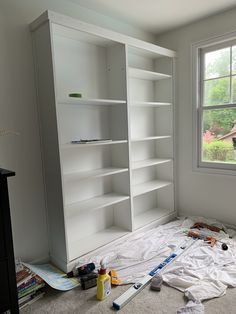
{"x": 103, "y": 283}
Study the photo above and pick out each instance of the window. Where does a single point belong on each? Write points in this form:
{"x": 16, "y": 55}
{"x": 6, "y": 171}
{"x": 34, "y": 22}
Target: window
{"x": 215, "y": 103}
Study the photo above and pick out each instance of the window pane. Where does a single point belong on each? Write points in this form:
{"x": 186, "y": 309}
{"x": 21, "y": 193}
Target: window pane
{"x": 218, "y": 135}
{"x": 216, "y": 92}
{"x": 234, "y": 88}
{"x": 234, "y": 60}
{"x": 217, "y": 63}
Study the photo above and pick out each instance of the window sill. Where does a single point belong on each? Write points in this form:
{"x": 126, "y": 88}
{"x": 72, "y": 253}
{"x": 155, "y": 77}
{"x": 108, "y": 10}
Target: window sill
{"x": 210, "y": 169}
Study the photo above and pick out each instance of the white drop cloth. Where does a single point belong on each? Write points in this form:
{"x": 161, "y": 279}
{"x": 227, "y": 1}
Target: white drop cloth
{"x": 192, "y": 307}
{"x": 205, "y": 290}
{"x": 202, "y": 272}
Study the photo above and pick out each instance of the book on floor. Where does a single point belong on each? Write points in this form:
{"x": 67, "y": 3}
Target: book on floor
{"x": 29, "y": 286}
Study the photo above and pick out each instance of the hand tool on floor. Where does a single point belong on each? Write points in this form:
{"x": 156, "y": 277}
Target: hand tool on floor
{"x": 199, "y": 235}
{"x": 137, "y": 287}
{"x": 82, "y": 270}
{"x": 203, "y": 236}
{"x": 115, "y": 281}
{"x": 89, "y": 280}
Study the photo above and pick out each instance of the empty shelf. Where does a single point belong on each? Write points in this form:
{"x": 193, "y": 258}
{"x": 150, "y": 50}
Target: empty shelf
{"x": 95, "y": 203}
{"x": 96, "y": 173}
{"x": 93, "y": 102}
{"x": 69, "y": 145}
{"x": 148, "y": 162}
{"x": 150, "y": 104}
{"x": 147, "y": 75}
{"x": 149, "y": 216}
{"x": 92, "y": 242}
{"x": 149, "y": 186}
{"x": 150, "y": 138}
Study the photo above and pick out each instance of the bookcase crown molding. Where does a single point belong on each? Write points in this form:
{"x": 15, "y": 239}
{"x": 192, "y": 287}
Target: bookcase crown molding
{"x": 71, "y": 22}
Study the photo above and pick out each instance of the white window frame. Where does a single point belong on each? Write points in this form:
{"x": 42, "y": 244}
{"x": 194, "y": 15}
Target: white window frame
{"x": 197, "y": 49}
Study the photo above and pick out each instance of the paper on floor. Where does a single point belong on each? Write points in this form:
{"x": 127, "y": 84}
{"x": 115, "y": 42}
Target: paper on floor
{"x": 53, "y": 276}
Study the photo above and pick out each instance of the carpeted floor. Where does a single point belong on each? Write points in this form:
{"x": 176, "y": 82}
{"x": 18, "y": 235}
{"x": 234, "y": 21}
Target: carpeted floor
{"x": 165, "y": 302}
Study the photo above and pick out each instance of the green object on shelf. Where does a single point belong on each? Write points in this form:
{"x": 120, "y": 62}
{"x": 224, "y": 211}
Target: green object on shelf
{"x": 78, "y": 95}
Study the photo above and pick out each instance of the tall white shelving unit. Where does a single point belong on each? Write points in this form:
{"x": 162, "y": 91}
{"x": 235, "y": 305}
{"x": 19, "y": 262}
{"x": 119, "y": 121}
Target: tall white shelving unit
{"x": 150, "y": 89}
{"x": 101, "y": 191}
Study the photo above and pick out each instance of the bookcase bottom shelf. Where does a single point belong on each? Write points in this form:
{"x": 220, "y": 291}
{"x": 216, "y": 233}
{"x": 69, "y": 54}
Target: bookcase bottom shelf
{"x": 149, "y": 216}
{"x": 94, "y": 241}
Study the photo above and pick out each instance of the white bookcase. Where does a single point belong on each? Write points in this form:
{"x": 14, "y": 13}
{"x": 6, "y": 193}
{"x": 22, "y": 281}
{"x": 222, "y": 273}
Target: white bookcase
{"x": 98, "y": 192}
{"x": 150, "y": 100}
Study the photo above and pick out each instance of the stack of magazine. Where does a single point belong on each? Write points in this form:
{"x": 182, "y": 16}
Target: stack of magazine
{"x": 29, "y": 286}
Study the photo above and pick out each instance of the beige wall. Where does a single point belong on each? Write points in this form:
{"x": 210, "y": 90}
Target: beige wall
{"x": 207, "y": 195}
{"x": 18, "y": 111}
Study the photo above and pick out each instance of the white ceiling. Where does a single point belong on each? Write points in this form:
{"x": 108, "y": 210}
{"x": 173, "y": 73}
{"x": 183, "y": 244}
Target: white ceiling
{"x": 157, "y": 16}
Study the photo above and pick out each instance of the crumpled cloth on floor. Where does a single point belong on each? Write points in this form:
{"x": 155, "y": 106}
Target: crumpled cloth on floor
{"x": 204, "y": 290}
{"x": 201, "y": 272}
{"x": 192, "y": 307}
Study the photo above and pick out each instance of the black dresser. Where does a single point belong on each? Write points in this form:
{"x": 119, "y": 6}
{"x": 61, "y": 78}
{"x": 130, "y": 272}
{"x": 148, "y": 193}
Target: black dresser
{"x": 8, "y": 290}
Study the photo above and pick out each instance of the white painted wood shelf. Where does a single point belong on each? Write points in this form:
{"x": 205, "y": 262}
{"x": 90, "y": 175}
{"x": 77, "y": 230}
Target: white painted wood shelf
{"x": 150, "y": 138}
{"x": 149, "y": 216}
{"x": 149, "y": 104}
{"x": 147, "y": 75}
{"x": 70, "y": 145}
{"x": 149, "y": 162}
{"x": 94, "y": 241}
{"x": 95, "y": 203}
{"x": 149, "y": 186}
{"x": 87, "y": 102}
{"x": 96, "y": 173}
